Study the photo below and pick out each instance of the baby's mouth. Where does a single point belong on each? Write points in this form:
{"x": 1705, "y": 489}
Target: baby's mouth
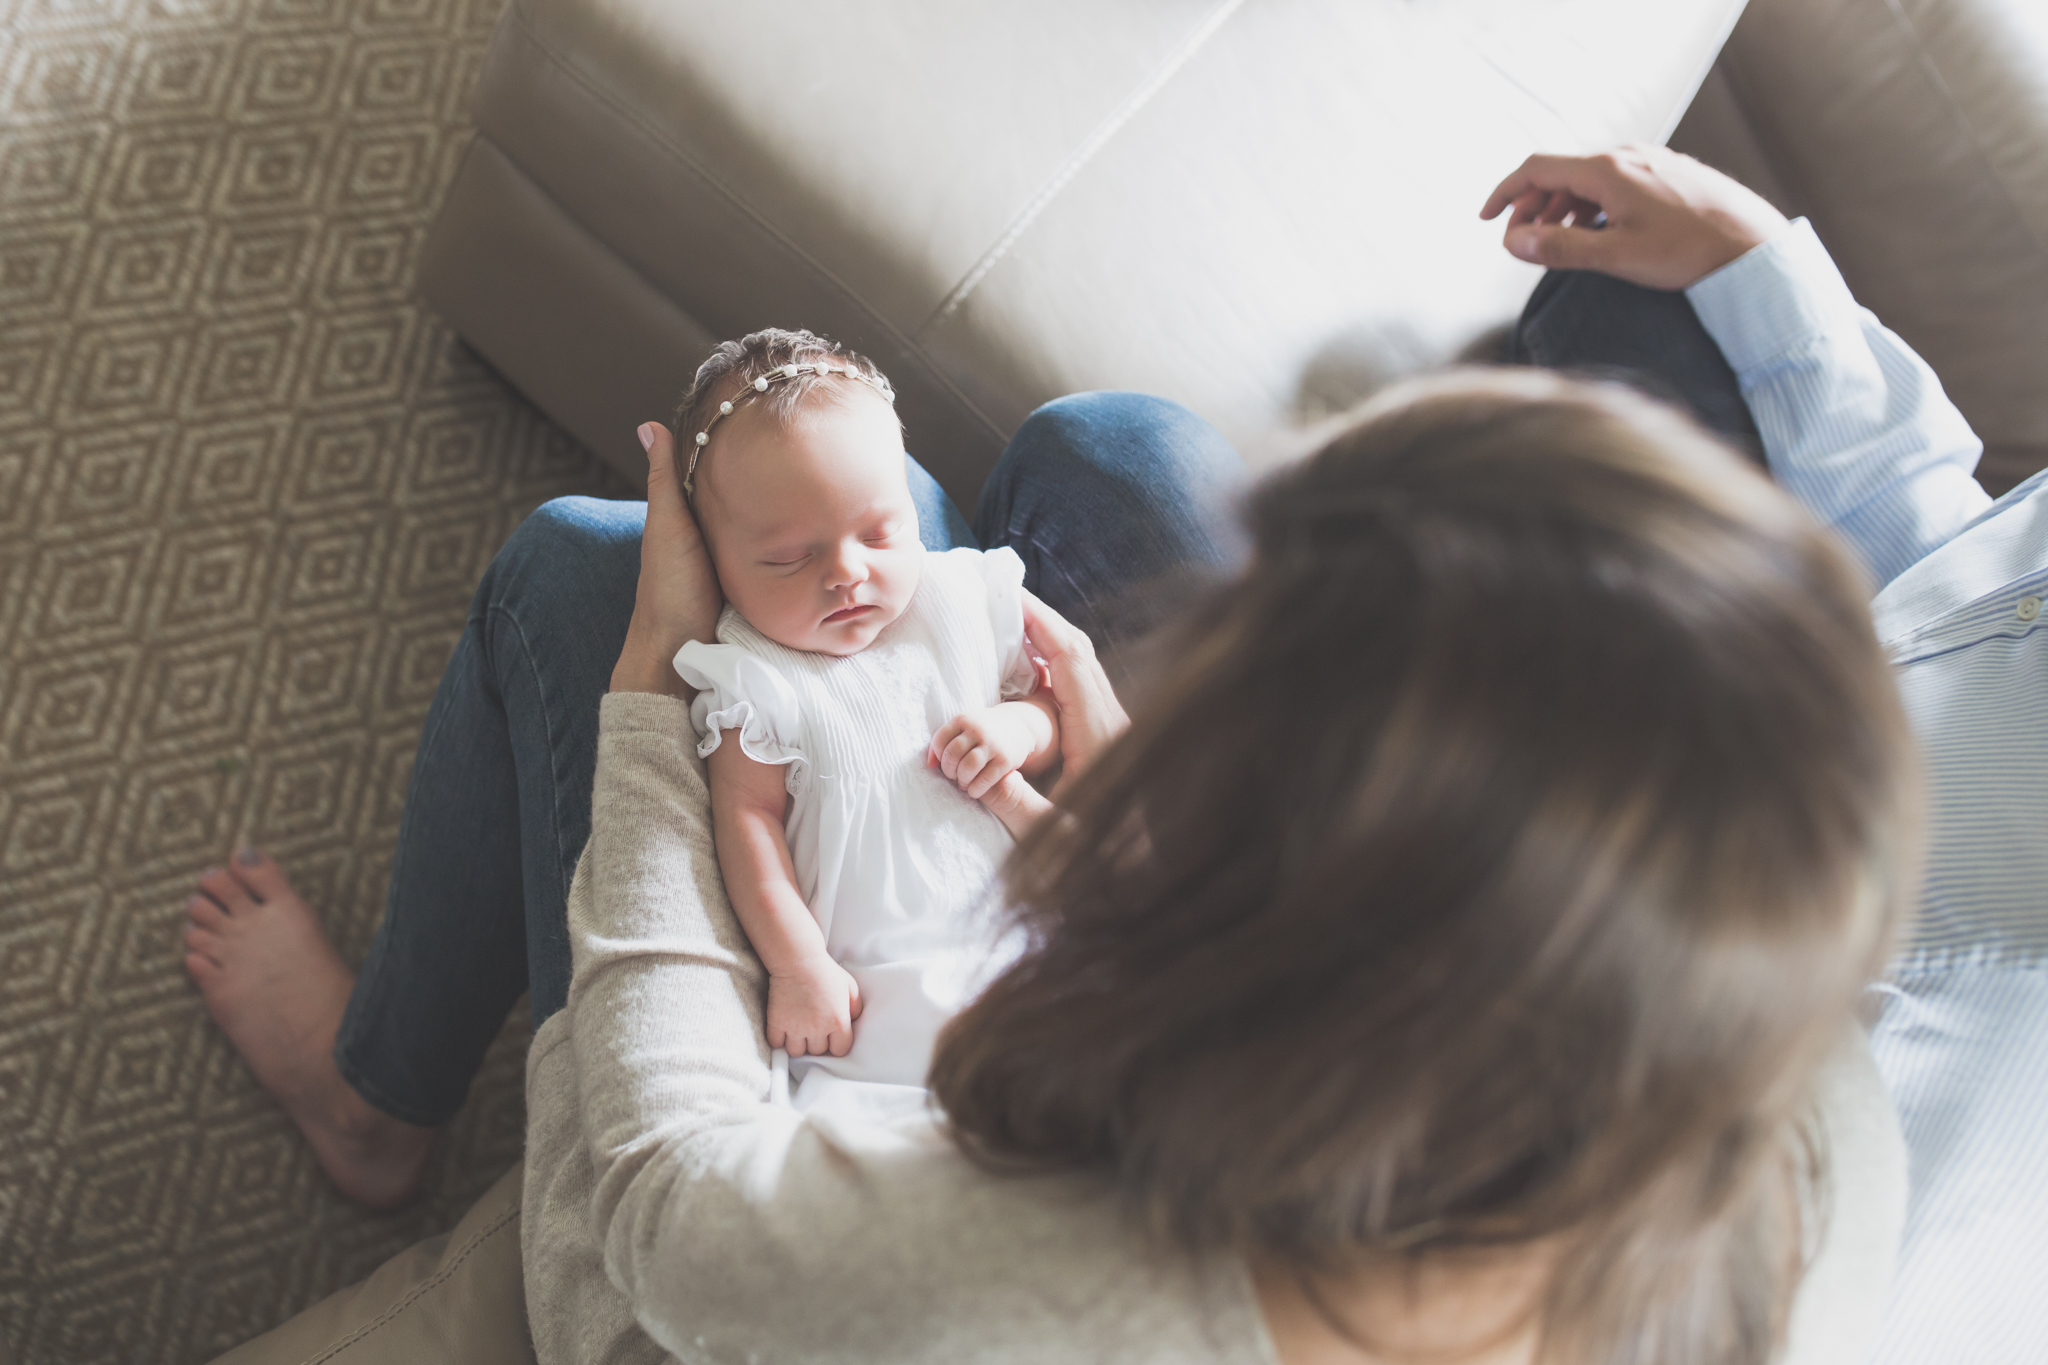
{"x": 849, "y": 613}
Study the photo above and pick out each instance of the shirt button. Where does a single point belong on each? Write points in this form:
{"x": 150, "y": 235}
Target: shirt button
{"x": 2030, "y": 607}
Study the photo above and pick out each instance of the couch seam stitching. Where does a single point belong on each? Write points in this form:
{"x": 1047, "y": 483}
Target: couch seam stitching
{"x": 1098, "y": 137}
{"x": 441, "y": 1277}
{"x": 909, "y": 343}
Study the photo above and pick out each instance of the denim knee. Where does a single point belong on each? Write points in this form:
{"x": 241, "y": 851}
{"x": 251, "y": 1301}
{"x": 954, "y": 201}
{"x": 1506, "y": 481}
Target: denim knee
{"x": 566, "y": 546}
{"x": 1130, "y": 433}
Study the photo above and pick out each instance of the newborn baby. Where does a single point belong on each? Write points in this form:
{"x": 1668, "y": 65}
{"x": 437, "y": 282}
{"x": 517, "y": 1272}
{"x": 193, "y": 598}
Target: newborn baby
{"x": 863, "y": 695}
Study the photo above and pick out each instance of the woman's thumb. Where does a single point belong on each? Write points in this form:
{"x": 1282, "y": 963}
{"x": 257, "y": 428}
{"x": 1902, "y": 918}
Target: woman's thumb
{"x": 659, "y": 445}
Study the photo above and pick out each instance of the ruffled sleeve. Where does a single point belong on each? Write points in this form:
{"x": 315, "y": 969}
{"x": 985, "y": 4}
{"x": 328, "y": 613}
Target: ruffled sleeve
{"x": 738, "y": 690}
{"x": 1003, "y": 574}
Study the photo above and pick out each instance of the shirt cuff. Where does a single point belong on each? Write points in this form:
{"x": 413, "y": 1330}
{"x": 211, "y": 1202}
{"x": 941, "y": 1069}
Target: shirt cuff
{"x": 1773, "y": 298}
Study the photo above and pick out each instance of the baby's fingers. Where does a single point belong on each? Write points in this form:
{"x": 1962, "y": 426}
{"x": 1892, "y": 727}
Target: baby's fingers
{"x": 955, "y": 752}
{"x": 946, "y": 735}
{"x": 992, "y": 772}
{"x": 971, "y": 765}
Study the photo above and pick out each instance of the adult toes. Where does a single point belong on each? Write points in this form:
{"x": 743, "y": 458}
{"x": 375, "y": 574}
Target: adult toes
{"x": 229, "y": 894}
{"x": 203, "y": 970}
{"x": 202, "y": 944}
{"x": 206, "y": 914}
{"x": 254, "y": 869}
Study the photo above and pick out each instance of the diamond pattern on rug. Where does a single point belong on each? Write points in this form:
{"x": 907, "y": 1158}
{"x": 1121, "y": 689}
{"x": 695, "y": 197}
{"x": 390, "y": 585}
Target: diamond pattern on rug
{"x": 247, "y": 485}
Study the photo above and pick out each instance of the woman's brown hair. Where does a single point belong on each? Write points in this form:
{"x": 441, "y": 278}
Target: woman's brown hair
{"x": 1504, "y": 851}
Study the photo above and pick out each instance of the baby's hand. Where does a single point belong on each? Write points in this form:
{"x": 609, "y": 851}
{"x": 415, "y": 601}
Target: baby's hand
{"x": 977, "y": 750}
{"x": 811, "y": 1008}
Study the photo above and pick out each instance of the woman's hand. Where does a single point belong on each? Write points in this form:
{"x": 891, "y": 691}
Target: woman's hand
{"x": 678, "y": 599}
{"x": 1084, "y": 704}
{"x": 1088, "y": 712}
{"x": 1670, "y": 221}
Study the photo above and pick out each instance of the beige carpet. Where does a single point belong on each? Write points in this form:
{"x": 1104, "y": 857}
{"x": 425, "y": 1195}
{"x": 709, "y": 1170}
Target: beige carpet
{"x": 246, "y": 486}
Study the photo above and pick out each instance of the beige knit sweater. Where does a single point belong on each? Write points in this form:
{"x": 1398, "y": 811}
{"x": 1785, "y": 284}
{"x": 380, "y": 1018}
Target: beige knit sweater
{"x": 669, "y": 1210}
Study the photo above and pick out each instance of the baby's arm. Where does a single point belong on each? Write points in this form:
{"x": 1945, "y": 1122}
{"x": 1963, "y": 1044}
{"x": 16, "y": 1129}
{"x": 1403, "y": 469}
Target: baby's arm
{"x": 812, "y": 1000}
{"x": 979, "y": 749}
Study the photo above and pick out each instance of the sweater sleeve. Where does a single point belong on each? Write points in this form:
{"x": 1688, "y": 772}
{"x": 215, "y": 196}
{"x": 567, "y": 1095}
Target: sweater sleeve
{"x": 740, "y": 1230}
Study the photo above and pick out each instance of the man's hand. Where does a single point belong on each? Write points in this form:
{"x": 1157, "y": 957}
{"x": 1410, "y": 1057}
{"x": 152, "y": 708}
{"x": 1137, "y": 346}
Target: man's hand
{"x": 811, "y": 1008}
{"x": 1668, "y": 220}
{"x": 678, "y": 599}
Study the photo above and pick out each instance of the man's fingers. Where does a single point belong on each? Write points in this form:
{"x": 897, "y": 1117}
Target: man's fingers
{"x": 1589, "y": 177}
{"x": 1560, "y": 248}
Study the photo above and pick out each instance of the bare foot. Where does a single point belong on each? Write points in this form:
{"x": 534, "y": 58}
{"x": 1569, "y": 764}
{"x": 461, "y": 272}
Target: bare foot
{"x": 277, "y": 987}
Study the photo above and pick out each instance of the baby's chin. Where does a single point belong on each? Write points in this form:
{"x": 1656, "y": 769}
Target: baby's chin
{"x": 841, "y": 638}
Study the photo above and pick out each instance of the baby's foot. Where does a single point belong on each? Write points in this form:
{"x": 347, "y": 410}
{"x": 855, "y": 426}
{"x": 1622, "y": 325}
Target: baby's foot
{"x": 277, "y": 987}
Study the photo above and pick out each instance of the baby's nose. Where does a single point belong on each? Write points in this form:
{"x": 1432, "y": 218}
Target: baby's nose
{"x": 847, "y": 567}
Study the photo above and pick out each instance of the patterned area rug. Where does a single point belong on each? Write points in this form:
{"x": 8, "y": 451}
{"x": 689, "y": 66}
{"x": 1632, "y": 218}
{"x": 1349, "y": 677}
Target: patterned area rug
{"x": 246, "y": 487}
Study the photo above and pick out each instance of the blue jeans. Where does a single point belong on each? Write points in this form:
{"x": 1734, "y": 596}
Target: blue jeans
{"x": 1097, "y": 493}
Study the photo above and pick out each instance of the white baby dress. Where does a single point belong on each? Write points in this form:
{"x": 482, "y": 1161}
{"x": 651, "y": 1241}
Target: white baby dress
{"x": 896, "y": 863}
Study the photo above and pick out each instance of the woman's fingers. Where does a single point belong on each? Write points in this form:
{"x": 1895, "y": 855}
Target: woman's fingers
{"x": 678, "y": 597}
{"x": 1089, "y": 714}
{"x": 1078, "y": 681}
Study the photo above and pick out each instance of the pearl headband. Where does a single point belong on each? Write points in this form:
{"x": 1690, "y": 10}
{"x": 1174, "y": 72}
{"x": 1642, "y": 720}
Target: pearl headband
{"x": 761, "y": 385}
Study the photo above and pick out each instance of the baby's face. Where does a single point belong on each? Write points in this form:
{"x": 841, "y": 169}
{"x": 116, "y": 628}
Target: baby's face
{"x": 810, "y": 523}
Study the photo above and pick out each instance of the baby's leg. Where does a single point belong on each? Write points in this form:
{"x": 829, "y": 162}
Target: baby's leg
{"x": 1111, "y": 499}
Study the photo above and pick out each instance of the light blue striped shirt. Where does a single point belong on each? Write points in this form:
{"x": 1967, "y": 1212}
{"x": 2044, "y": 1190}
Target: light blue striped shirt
{"x": 1857, "y": 427}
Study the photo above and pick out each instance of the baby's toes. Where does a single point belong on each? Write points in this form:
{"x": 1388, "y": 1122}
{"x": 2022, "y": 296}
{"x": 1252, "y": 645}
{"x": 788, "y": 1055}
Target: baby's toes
{"x": 229, "y": 894}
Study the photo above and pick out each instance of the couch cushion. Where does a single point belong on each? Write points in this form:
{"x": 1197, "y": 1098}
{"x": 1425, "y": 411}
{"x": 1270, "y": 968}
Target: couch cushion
{"x": 1006, "y": 203}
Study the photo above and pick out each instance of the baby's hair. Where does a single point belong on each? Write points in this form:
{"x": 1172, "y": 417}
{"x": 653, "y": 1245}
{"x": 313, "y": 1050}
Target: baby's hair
{"x": 733, "y": 365}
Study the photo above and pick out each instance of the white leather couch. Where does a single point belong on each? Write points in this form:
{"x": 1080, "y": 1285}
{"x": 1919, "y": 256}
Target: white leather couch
{"x": 1238, "y": 205}
{"x": 1258, "y": 209}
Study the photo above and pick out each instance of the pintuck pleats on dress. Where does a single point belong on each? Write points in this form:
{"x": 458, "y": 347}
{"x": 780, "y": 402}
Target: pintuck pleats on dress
{"x": 895, "y": 862}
